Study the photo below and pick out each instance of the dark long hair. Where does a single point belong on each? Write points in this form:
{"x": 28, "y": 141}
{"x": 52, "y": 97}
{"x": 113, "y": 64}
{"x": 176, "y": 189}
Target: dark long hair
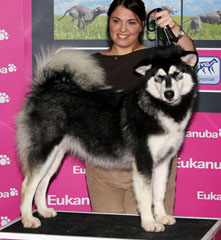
{"x": 136, "y": 6}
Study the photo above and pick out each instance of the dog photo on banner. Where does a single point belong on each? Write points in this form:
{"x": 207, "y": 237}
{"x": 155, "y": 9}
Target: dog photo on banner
{"x": 87, "y": 20}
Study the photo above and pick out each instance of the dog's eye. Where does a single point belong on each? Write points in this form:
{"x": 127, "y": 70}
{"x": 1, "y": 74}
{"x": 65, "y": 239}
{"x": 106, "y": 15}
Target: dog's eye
{"x": 177, "y": 75}
{"x": 159, "y": 78}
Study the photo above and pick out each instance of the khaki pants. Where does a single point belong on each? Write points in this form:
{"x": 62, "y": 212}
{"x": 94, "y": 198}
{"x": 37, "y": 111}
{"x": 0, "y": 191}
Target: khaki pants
{"x": 112, "y": 191}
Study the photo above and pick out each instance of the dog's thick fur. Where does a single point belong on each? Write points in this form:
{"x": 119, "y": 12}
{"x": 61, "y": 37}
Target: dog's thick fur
{"x": 71, "y": 109}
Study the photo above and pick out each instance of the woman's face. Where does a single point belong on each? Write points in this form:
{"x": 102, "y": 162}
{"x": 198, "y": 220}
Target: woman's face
{"x": 125, "y": 27}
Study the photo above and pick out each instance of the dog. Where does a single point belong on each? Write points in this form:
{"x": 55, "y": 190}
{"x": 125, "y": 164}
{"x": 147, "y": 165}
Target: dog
{"x": 208, "y": 18}
{"x": 84, "y": 15}
{"x": 71, "y": 109}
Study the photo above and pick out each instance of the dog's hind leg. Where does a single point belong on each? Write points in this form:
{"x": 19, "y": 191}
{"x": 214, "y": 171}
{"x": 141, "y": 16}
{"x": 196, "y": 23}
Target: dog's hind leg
{"x": 30, "y": 184}
{"x": 143, "y": 192}
{"x": 160, "y": 179}
{"x": 29, "y": 187}
{"x": 28, "y": 190}
{"x": 40, "y": 195}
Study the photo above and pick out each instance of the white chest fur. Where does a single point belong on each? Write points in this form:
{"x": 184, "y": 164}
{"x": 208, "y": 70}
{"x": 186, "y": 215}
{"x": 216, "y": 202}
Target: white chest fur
{"x": 167, "y": 144}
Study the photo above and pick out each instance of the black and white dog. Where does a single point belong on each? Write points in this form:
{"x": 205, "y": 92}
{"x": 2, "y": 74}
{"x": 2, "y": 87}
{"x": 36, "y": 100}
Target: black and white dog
{"x": 71, "y": 109}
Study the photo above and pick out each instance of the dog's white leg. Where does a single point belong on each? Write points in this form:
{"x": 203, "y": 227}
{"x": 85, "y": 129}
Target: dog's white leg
{"x": 29, "y": 187}
{"x": 143, "y": 192}
{"x": 26, "y": 205}
{"x": 40, "y": 196}
{"x": 160, "y": 178}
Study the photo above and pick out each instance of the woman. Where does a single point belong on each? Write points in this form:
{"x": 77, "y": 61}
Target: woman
{"x": 111, "y": 190}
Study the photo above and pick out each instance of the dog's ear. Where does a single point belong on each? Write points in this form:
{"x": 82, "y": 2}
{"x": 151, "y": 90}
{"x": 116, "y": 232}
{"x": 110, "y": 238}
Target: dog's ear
{"x": 142, "y": 69}
{"x": 190, "y": 58}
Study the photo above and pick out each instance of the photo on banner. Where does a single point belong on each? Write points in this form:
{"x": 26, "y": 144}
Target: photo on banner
{"x": 84, "y": 20}
{"x": 87, "y": 20}
{"x": 202, "y": 19}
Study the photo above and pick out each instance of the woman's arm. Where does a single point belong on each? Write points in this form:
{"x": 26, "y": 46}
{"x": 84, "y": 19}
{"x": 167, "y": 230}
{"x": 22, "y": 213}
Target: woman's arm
{"x": 165, "y": 19}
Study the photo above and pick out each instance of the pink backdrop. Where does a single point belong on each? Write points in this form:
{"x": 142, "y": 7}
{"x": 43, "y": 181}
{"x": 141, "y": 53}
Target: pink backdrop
{"x": 199, "y": 169}
{"x": 198, "y": 180}
{"x": 15, "y": 73}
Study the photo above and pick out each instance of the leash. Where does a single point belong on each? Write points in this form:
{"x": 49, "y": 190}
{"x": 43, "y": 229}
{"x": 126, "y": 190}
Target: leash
{"x": 168, "y": 33}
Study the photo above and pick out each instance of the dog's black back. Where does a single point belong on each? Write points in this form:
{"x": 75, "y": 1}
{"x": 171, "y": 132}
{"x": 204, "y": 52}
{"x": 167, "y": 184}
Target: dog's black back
{"x": 107, "y": 123}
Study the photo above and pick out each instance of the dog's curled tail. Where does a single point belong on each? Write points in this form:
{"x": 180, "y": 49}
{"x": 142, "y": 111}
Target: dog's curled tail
{"x": 83, "y": 68}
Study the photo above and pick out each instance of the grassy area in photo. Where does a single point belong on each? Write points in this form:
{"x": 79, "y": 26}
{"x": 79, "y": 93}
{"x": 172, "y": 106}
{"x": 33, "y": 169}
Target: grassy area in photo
{"x": 207, "y": 31}
{"x": 64, "y": 30}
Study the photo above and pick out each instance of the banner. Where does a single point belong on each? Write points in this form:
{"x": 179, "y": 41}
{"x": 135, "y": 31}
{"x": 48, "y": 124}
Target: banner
{"x": 15, "y": 76}
{"x": 198, "y": 192}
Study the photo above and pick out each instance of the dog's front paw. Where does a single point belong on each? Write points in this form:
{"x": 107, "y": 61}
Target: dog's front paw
{"x": 31, "y": 222}
{"x": 166, "y": 219}
{"x": 153, "y": 227}
{"x": 47, "y": 212}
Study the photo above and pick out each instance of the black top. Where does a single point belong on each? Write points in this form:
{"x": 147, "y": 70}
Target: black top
{"x": 120, "y": 68}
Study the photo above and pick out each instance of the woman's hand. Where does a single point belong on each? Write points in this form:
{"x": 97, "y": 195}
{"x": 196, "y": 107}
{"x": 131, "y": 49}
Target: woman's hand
{"x": 163, "y": 19}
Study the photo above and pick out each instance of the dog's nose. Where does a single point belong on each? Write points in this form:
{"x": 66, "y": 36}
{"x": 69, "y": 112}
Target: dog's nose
{"x": 169, "y": 94}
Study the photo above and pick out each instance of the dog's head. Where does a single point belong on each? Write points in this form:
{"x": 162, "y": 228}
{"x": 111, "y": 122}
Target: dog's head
{"x": 169, "y": 73}
{"x": 101, "y": 9}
